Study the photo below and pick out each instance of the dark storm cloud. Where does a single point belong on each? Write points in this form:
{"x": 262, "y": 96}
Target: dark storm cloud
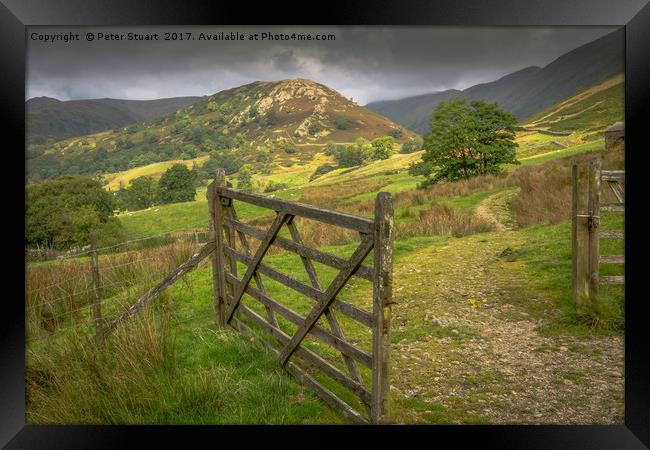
{"x": 367, "y": 63}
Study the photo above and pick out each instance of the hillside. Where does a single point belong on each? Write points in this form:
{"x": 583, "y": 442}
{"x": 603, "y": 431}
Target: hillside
{"x": 525, "y": 92}
{"x": 589, "y": 111}
{"x": 482, "y": 323}
{"x": 49, "y": 118}
{"x": 288, "y": 118}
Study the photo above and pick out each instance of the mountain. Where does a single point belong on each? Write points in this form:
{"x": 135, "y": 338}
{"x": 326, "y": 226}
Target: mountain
{"x": 413, "y": 112}
{"x": 299, "y": 111}
{"x": 49, "y": 118}
{"x": 525, "y": 92}
{"x": 290, "y": 119}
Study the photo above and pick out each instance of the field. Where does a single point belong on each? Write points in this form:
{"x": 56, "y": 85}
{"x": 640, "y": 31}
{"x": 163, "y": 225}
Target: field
{"x": 480, "y": 280}
{"x": 484, "y": 328}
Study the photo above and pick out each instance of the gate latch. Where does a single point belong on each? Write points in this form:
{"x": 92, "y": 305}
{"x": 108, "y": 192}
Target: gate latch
{"x": 592, "y": 221}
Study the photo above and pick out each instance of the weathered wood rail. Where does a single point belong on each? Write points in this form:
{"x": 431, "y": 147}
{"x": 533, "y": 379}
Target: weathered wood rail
{"x": 233, "y": 247}
{"x": 361, "y": 371}
{"x": 586, "y": 234}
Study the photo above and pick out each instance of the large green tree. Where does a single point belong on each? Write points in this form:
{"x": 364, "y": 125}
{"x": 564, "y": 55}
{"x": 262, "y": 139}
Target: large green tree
{"x": 141, "y": 193}
{"x": 467, "y": 139}
{"x": 64, "y": 211}
{"x": 177, "y": 185}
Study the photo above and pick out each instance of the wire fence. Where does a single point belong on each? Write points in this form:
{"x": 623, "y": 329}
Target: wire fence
{"x": 185, "y": 229}
{"x": 191, "y": 228}
{"x": 76, "y": 290}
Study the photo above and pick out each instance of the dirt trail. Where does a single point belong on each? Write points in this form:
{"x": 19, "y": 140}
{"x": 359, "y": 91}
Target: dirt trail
{"x": 496, "y": 209}
{"x": 467, "y": 345}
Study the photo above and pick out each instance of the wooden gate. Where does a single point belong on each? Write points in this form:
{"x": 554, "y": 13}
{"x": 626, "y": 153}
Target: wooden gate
{"x": 586, "y": 232}
{"x": 233, "y": 247}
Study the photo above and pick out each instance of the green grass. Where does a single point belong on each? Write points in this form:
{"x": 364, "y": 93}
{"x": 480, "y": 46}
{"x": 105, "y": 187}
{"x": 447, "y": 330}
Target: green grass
{"x": 547, "y": 254}
{"x": 598, "y": 144}
{"x": 200, "y": 375}
{"x": 468, "y": 203}
{"x": 172, "y": 365}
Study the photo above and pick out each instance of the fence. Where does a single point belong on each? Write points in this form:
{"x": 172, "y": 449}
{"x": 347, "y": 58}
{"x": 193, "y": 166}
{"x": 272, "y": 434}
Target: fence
{"x": 86, "y": 285}
{"x": 363, "y": 372}
{"x": 586, "y": 233}
{"x": 374, "y": 235}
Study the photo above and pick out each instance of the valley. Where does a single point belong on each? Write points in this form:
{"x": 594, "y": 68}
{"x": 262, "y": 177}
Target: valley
{"x": 484, "y": 327}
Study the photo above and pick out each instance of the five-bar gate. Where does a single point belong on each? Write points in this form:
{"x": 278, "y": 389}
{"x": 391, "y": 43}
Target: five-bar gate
{"x": 362, "y": 372}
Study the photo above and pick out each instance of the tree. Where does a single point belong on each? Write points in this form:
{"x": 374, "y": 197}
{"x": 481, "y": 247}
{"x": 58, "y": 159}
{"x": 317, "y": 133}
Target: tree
{"x": 141, "y": 193}
{"x": 467, "y": 139}
{"x": 411, "y": 145}
{"x": 245, "y": 178}
{"x": 189, "y": 151}
{"x": 62, "y": 212}
{"x": 351, "y": 155}
{"x": 177, "y": 185}
{"x": 396, "y": 132}
{"x": 383, "y": 147}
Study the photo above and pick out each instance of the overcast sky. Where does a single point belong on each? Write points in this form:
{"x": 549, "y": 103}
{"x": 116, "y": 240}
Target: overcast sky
{"x": 366, "y": 63}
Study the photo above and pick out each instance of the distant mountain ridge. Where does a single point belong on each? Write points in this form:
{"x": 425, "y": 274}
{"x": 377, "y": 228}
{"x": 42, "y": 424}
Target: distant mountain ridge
{"x": 524, "y": 92}
{"x": 49, "y": 118}
{"x": 283, "y": 121}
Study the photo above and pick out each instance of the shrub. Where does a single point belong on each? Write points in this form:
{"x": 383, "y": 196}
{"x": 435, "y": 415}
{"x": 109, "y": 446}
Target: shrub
{"x": 321, "y": 170}
{"x": 342, "y": 123}
{"x": 396, "y": 132}
{"x": 275, "y": 186}
{"x": 245, "y": 178}
{"x": 314, "y": 127}
{"x": 290, "y": 148}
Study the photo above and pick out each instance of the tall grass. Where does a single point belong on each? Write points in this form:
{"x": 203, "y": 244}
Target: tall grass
{"x": 443, "y": 220}
{"x": 545, "y": 189}
{"x": 58, "y": 292}
{"x": 72, "y": 381}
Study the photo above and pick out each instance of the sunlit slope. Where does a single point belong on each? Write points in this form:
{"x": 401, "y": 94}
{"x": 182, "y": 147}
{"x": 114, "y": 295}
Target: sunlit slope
{"x": 155, "y": 170}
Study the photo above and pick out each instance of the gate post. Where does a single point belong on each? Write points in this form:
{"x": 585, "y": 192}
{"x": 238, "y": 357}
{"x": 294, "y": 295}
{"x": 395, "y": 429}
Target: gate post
{"x": 216, "y": 218}
{"x": 585, "y": 222}
{"x": 381, "y": 309}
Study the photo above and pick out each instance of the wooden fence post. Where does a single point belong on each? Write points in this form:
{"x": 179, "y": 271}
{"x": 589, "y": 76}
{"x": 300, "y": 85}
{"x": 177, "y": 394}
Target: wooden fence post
{"x": 593, "y": 225}
{"x": 216, "y": 220}
{"x": 382, "y": 299}
{"x": 97, "y": 309}
{"x": 585, "y": 221}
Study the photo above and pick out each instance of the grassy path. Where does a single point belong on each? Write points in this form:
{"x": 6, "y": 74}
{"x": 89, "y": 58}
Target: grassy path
{"x": 496, "y": 209}
{"x": 473, "y": 341}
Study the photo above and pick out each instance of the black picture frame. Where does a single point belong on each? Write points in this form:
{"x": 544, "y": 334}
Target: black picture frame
{"x": 15, "y": 15}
